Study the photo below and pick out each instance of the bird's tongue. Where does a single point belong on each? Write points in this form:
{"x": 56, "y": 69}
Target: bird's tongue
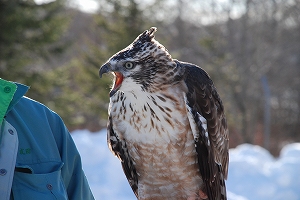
{"x": 118, "y": 81}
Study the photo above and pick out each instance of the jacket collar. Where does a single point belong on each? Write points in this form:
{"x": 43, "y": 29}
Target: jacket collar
{"x": 20, "y": 92}
{"x": 12, "y": 93}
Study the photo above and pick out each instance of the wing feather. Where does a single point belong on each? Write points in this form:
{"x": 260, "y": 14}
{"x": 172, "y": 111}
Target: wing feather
{"x": 119, "y": 149}
{"x": 212, "y": 144}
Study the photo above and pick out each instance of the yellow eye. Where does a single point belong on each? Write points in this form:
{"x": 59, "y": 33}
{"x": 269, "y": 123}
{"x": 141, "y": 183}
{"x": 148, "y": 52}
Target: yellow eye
{"x": 129, "y": 65}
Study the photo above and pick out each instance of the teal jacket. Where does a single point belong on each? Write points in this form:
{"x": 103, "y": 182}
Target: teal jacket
{"x": 48, "y": 165}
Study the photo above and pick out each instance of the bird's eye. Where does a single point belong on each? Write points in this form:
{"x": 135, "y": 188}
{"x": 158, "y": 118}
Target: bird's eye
{"x": 129, "y": 65}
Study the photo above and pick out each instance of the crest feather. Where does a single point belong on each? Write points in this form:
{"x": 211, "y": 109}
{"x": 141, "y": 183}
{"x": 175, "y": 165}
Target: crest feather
{"x": 137, "y": 45}
{"x": 146, "y": 36}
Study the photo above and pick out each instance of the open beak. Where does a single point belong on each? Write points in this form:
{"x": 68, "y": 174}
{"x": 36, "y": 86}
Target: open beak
{"x": 118, "y": 77}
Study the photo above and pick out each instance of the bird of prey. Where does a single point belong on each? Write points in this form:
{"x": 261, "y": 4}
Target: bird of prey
{"x": 166, "y": 124}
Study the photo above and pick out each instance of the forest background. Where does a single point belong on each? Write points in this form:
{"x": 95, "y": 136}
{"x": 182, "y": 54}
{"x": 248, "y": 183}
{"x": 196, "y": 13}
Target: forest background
{"x": 250, "y": 48}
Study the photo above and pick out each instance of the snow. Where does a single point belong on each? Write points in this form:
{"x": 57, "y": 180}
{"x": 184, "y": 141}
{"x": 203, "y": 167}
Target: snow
{"x": 254, "y": 174}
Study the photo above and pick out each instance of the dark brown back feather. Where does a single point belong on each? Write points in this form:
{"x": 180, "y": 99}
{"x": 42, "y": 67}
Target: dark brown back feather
{"x": 204, "y": 100}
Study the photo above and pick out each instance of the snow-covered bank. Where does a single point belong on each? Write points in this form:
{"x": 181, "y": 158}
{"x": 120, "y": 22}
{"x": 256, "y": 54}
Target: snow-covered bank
{"x": 254, "y": 174}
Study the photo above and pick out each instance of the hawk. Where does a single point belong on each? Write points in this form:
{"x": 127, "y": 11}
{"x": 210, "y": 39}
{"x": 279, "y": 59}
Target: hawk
{"x": 166, "y": 124}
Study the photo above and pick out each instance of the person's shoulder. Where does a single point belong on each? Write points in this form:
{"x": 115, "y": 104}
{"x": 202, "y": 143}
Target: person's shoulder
{"x": 36, "y": 106}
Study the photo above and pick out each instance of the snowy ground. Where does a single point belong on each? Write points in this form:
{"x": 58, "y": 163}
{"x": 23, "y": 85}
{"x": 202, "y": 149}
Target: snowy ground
{"x": 254, "y": 174}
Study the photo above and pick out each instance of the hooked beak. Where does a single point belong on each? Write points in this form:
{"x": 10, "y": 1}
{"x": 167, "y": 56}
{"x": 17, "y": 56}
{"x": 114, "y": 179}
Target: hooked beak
{"x": 118, "y": 77}
{"x": 105, "y": 69}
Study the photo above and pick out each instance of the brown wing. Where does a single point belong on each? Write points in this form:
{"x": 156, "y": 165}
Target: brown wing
{"x": 119, "y": 148}
{"x": 203, "y": 100}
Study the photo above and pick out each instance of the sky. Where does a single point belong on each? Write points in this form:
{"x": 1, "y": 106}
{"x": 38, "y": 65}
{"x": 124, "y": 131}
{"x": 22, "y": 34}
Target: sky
{"x": 254, "y": 174}
{"x": 89, "y": 6}
{"x": 198, "y": 12}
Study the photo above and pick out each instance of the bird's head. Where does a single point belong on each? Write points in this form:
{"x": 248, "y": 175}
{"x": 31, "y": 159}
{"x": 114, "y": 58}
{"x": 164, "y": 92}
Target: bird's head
{"x": 145, "y": 63}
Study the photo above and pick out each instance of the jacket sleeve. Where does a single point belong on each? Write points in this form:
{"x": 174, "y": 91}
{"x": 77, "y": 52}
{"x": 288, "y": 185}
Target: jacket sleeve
{"x": 72, "y": 174}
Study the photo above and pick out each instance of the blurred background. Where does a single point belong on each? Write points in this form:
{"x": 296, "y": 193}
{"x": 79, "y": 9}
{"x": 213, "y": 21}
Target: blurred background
{"x": 250, "y": 48}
